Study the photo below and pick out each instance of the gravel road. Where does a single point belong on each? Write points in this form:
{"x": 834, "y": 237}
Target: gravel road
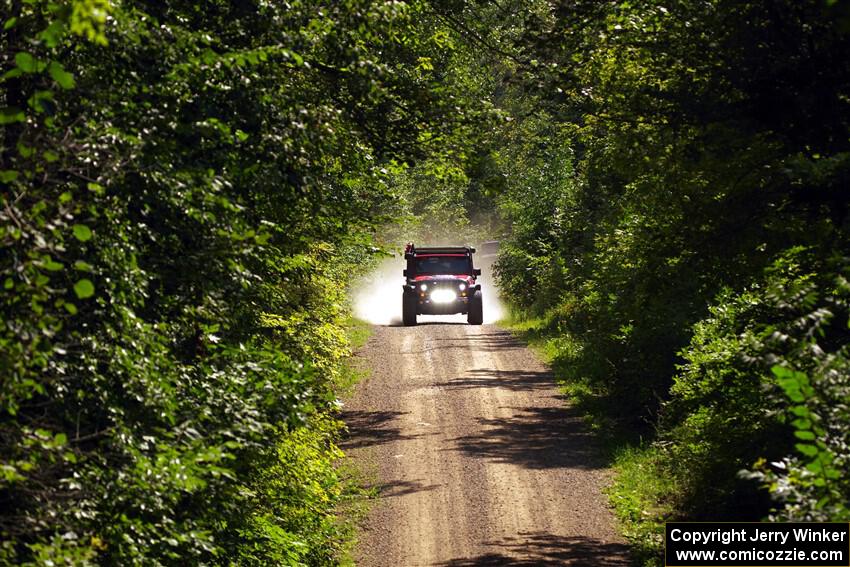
{"x": 476, "y": 458}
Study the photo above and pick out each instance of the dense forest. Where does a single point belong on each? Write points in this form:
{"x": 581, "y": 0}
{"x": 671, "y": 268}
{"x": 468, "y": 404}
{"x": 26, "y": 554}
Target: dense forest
{"x": 187, "y": 190}
{"x": 676, "y": 191}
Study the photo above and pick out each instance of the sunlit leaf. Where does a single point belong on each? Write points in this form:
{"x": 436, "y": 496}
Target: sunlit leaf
{"x": 84, "y": 288}
{"x": 60, "y": 75}
{"x": 27, "y": 63}
{"x": 82, "y": 232}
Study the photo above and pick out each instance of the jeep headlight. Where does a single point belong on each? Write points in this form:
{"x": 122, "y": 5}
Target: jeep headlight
{"x": 423, "y": 287}
{"x": 462, "y": 286}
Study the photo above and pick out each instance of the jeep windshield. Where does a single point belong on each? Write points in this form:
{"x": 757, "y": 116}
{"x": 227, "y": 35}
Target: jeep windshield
{"x": 433, "y": 265}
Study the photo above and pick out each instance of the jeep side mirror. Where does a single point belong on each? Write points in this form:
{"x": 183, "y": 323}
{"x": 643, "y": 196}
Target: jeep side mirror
{"x": 477, "y": 271}
{"x": 404, "y": 273}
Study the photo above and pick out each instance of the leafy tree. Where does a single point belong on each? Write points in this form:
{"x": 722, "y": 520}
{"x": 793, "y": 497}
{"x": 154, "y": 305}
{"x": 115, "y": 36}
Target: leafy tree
{"x": 690, "y": 150}
{"x": 186, "y": 191}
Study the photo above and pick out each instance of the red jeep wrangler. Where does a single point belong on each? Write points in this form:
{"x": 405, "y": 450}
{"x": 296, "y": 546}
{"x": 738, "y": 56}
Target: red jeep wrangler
{"x": 441, "y": 281}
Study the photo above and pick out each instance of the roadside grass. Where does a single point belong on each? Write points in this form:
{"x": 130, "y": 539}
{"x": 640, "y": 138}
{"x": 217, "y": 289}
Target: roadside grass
{"x": 640, "y": 494}
{"x": 352, "y": 372}
{"x": 359, "y": 492}
{"x": 359, "y": 332}
{"x": 358, "y": 484}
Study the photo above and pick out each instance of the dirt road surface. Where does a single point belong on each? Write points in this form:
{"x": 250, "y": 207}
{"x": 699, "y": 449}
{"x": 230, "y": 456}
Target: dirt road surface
{"x": 476, "y": 457}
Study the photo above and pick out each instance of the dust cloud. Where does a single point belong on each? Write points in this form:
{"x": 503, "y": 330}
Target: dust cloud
{"x": 377, "y": 297}
{"x": 493, "y": 310}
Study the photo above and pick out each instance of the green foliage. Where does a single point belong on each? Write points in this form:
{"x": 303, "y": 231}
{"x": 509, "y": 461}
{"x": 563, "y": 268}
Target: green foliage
{"x": 726, "y": 409}
{"x": 810, "y": 481}
{"x": 292, "y": 520}
{"x": 673, "y": 184}
{"x": 641, "y": 495}
{"x": 186, "y": 191}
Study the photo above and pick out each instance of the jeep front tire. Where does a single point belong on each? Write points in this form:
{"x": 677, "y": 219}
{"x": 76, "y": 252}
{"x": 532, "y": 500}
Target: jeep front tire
{"x": 408, "y": 309}
{"x": 476, "y": 310}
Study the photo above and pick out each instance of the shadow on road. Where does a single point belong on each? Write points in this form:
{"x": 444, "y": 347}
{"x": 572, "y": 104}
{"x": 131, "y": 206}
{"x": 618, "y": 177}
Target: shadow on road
{"x": 535, "y": 438}
{"x": 403, "y": 488}
{"x": 484, "y": 342}
{"x": 542, "y": 549}
{"x": 368, "y": 428}
{"x": 514, "y": 380}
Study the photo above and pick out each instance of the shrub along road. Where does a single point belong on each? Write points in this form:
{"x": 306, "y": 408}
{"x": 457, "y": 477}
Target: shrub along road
{"x": 476, "y": 458}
